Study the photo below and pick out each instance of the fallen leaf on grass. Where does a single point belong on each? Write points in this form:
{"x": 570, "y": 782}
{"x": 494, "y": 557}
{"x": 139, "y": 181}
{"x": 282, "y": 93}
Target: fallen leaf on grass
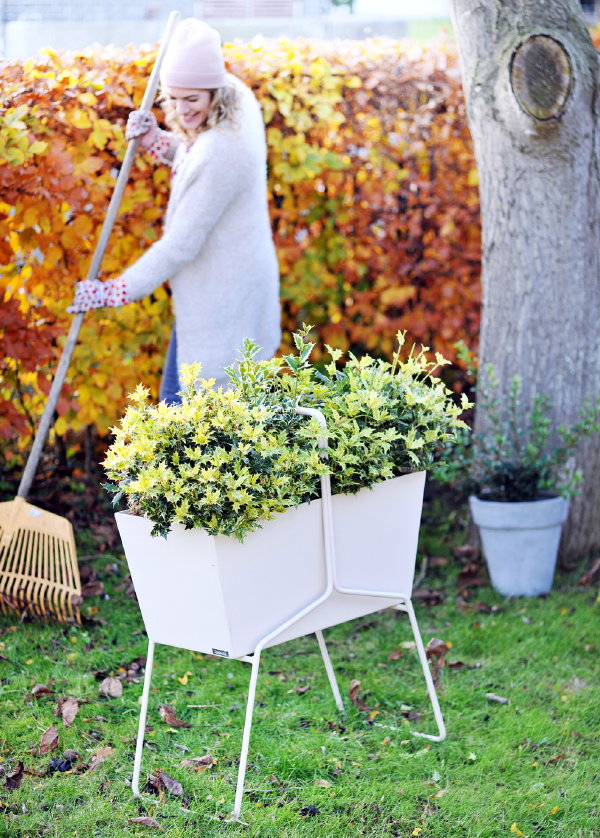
{"x": 161, "y": 781}
{"x": 323, "y": 784}
{"x": 127, "y": 587}
{"x": 470, "y": 576}
{"x": 99, "y": 756}
{"x": 49, "y": 740}
{"x": 145, "y": 821}
{"x": 198, "y": 764}
{"x": 465, "y": 551}
{"x": 410, "y": 713}
{"x": 516, "y": 831}
{"x": 168, "y": 715}
{"x": 302, "y": 690}
{"x": 436, "y": 651}
{"x": 496, "y": 699}
{"x": 428, "y": 596}
{"x": 111, "y": 688}
{"x": 588, "y": 576}
{"x": 59, "y": 764}
{"x": 479, "y": 606}
{"x": 68, "y": 709}
{"x": 440, "y": 793}
{"x": 131, "y": 672}
{"x": 38, "y": 691}
{"x": 92, "y": 589}
{"x": 308, "y": 811}
{"x": 277, "y": 673}
{"x": 357, "y": 700}
{"x": 13, "y": 780}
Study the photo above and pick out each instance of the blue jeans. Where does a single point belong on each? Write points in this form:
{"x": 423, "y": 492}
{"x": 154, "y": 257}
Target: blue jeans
{"x": 169, "y": 385}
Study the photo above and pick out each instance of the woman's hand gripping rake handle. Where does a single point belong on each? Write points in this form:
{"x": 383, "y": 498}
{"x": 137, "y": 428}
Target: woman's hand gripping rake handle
{"x": 94, "y": 269}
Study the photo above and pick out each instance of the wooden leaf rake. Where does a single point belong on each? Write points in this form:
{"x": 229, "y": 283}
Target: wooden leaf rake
{"x": 39, "y": 574}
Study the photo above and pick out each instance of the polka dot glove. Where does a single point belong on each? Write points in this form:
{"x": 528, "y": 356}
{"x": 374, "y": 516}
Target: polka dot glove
{"x": 162, "y": 150}
{"x": 142, "y": 124}
{"x": 91, "y": 293}
{"x": 157, "y": 143}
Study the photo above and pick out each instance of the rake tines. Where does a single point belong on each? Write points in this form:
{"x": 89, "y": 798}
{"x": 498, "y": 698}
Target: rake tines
{"x": 38, "y": 563}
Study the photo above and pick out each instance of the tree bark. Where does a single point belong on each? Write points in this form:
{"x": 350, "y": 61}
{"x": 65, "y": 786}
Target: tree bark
{"x": 533, "y": 112}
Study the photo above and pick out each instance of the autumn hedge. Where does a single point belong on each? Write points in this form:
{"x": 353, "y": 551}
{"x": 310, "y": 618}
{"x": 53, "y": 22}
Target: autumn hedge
{"x": 372, "y": 189}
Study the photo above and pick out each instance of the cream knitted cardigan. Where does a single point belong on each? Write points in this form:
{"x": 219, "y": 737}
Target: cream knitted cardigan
{"x": 217, "y": 249}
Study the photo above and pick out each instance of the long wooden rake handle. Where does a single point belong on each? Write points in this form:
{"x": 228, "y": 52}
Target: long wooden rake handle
{"x": 94, "y": 269}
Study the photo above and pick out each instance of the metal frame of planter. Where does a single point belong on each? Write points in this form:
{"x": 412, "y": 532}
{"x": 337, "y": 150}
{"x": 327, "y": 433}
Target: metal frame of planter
{"x": 331, "y": 586}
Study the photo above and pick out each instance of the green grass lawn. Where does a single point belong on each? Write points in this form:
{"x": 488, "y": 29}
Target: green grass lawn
{"x": 529, "y": 767}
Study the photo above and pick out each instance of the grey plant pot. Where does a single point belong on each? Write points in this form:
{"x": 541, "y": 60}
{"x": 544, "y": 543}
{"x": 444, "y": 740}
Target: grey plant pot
{"x": 520, "y": 542}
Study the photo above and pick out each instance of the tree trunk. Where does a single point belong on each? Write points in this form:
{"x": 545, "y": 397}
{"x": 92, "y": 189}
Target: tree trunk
{"x": 530, "y": 76}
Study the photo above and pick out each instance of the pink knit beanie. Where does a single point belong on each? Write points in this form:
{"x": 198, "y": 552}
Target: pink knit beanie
{"x": 194, "y": 58}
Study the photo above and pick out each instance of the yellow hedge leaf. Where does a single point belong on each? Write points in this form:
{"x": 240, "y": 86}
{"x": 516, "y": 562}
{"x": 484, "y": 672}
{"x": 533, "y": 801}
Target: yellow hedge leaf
{"x": 79, "y": 118}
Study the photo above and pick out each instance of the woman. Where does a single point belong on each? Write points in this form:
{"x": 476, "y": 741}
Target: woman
{"x": 216, "y": 248}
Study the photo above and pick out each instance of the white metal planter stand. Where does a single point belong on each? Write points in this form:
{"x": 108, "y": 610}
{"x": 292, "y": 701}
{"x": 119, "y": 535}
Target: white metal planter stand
{"x": 331, "y": 586}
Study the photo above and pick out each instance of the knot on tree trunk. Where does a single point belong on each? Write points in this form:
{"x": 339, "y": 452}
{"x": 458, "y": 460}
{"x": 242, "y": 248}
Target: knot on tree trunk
{"x": 541, "y": 76}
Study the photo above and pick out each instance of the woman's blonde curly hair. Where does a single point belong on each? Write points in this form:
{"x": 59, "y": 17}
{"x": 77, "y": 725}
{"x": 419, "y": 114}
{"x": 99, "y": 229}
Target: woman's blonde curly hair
{"x": 223, "y": 107}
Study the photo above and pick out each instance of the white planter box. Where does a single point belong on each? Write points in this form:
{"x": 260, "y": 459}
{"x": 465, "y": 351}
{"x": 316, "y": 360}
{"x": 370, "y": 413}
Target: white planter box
{"x": 214, "y": 595}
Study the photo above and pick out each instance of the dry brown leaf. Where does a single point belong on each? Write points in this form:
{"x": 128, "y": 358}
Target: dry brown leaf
{"x": 68, "y": 709}
{"x": 353, "y": 692}
{"x": 168, "y": 715}
{"x": 590, "y": 574}
{"x": 436, "y": 651}
{"x": 131, "y": 672}
{"x": 13, "y": 779}
{"x": 92, "y": 589}
{"x": 145, "y": 821}
{"x": 164, "y": 781}
{"x": 87, "y": 574}
{"x": 466, "y": 551}
{"x": 100, "y": 755}
{"x": 428, "y": 596}
{"x": 198, "y": 764}
{"x": 302, "y": 690}
{"x": 111, "y": 687}
{"x": 39, "y": 690}
{"x": 49, "y": 740}
{"x": 354, "y": 696}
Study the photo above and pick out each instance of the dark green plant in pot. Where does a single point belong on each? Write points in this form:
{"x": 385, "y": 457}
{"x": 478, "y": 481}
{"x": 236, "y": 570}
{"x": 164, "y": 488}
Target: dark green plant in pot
{"x": 521, "y": 456}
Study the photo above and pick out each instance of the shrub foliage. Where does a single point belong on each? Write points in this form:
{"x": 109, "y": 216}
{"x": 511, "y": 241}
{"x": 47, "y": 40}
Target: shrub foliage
{"x": 372, "y": 190}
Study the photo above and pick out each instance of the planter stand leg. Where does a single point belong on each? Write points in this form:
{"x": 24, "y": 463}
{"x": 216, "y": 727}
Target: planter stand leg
{"x": 239, "y": 791}
{"x": 142, "y": 725}
{"x": 330, "y": 673}
{"x": 408, "y": 607}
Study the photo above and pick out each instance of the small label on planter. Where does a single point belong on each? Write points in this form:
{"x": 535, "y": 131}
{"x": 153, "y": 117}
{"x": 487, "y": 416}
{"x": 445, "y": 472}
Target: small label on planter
{"x": 220, "y": 653}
